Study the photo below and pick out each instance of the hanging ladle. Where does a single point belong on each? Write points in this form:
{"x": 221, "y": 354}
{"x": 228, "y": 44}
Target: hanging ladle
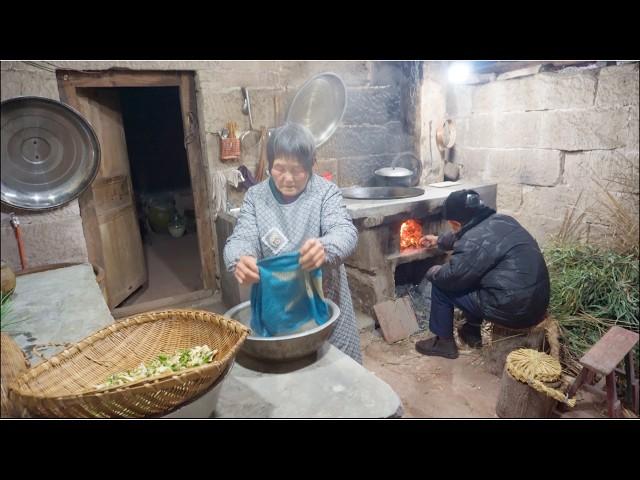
{"x": 246, "y": 140}
{"x": 246, "y": 107}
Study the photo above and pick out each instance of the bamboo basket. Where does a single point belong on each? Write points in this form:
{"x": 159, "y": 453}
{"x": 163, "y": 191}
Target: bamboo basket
{"x": 12, "y": 364}
{"x": 65, "y": 385}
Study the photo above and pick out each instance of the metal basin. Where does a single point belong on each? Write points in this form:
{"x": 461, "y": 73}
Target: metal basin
{"x": 288, "y": 347}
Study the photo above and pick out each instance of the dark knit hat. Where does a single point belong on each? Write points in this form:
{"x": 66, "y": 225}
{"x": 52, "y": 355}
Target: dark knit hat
{"x": 462, "y": 205}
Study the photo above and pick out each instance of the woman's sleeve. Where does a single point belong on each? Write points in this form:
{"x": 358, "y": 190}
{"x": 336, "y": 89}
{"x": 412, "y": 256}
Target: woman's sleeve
{"x": 244, "y": 239}
{"x": 339, "y": 235}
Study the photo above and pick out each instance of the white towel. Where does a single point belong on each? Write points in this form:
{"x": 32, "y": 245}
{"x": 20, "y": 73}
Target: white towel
{"x": 221, "y": 178}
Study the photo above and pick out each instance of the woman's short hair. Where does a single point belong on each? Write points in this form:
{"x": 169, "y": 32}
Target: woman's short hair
{"x": 292, "y": 140}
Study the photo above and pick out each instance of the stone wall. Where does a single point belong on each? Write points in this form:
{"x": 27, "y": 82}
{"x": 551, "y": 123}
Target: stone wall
{"x": 547, "y": 138}
{"x": 377, "y": 125}
{"x": 432, "y": 110}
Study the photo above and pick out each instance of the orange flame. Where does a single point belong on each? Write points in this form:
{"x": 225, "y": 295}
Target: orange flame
{"x": 410, "y": 234}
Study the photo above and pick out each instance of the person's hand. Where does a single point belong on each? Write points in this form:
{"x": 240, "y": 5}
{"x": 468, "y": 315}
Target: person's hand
{"x": 246, "y": 271}
{"x": 312, "y": 254}
{"x": 432, "y": 272}
{"x": 447, "y": 240}
{"x": 429, "y": 241}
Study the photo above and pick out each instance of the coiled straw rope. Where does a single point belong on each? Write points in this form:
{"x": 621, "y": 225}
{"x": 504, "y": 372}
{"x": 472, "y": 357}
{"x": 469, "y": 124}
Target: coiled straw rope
{"x": 533, "y": 367}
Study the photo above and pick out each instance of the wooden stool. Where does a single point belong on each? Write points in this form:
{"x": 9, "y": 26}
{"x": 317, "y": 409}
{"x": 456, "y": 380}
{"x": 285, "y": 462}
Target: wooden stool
{"x": 603, "y": 358}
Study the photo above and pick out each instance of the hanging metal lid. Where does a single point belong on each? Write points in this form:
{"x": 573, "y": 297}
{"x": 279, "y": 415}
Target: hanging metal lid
{"x": 50, "y": 153}
{"x": 319, "y": 105}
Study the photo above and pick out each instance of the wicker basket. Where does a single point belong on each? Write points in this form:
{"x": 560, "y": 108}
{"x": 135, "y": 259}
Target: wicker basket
{"x": 64, "y": 386}
{"x": 12, "y": 365}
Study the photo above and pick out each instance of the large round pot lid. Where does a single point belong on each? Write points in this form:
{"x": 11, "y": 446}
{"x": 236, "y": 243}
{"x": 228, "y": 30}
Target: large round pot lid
{"x": 50, "y": 153}
{"x": 319, "y": 105}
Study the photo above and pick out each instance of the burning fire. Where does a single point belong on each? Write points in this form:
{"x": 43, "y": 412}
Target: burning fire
{"x": 410, "y": 234}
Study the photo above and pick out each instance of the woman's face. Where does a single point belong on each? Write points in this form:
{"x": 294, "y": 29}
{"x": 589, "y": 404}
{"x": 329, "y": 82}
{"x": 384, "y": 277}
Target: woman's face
{"x": 289, "y": 176}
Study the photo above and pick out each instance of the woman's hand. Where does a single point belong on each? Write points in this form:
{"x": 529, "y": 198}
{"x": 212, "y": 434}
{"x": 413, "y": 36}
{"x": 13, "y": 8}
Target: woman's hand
{"x": 312, "y": 254}
{"x": 429, "y": 241}
{"x": 246, "y": 271}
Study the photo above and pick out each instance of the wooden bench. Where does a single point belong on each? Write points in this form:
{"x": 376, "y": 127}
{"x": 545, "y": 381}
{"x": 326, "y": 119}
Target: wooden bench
{"x": 603, "y": 358}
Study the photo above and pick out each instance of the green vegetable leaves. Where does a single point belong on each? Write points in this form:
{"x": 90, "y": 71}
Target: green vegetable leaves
{"x": 163, "y": 363}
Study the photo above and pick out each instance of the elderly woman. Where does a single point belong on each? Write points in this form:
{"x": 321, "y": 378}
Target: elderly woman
{"x": 297, "y": 210}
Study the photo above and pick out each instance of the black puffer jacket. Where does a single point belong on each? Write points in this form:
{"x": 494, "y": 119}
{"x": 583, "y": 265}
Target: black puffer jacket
{"x": 496, "y": 258}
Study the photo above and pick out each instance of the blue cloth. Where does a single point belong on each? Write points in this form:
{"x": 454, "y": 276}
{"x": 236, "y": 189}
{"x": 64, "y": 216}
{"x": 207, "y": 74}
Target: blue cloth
{"x": 442, "y": 303}
{"x": 286, "y": 297}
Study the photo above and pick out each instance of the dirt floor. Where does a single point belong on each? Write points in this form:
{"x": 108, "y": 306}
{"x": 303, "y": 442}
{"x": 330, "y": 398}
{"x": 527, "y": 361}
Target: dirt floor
{"x": 173, "y": 268}
{"x": 432, "y": 387}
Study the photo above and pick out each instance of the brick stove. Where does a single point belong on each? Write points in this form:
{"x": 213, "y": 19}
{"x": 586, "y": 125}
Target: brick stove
{"x": 378, "y": 264}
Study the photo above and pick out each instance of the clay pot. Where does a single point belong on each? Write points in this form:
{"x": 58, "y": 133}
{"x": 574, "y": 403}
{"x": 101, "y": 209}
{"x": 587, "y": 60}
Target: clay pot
{"x": 159, "y": 214}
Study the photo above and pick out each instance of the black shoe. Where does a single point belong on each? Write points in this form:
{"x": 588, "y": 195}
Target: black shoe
{"x": 470, "y": 334}
{"x": 438, "y": 346}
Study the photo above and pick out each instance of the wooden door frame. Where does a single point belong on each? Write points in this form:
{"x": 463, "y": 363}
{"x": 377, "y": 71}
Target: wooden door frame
{"x": 70, "y": 81}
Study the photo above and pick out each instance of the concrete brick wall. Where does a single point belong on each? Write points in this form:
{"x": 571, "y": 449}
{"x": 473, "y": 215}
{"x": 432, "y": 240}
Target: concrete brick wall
{"x": 377, "y": 125}
{"x": 432, "y": 110}
{"x": 544, "y": 138}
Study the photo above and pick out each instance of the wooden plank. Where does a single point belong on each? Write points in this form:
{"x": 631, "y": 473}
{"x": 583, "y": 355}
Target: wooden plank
{"x": 167, "y": 302}
{"x": 609, "y": 351}
{"x": 396, "y": 318}
{"x": 120, "y": 78}
{"x": 499, "y": 67}
{"x": 86, "y": 201}
{"x": 125, "y": 267}
{"x": 199, "y": 176}
{"x": 112, "y": 193}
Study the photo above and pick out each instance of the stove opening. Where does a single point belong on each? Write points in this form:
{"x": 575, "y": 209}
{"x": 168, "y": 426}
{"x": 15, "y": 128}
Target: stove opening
{"x": 410, "y": 234}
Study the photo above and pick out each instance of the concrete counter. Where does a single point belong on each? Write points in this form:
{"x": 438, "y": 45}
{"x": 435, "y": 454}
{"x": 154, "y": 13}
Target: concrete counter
{"x": 430, "y": 200}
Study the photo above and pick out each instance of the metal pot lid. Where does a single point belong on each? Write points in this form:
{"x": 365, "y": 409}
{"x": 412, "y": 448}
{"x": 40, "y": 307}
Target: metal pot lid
{"x": 410, "y": 161}
{"x": 394, "y": 172}
{"x": 319, "y": 105}
{"x": 50, "y": 153}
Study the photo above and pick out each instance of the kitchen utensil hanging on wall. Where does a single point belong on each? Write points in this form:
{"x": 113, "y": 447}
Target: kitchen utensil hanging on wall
{"x": 50, "y": 153}
{"x": 319, "y": 105}
{"x": 251, "y": 137}
{"x": 262, "y": 164}
{"x": 230, "y": 146}
{"x": 446, "y": 135}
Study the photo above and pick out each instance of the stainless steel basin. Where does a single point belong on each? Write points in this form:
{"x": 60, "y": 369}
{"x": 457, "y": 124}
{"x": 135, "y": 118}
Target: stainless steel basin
{"x": 288, "y": 347}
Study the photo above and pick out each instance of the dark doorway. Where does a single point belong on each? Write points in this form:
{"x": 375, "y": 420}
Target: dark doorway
{"x": 163, "y": 193}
